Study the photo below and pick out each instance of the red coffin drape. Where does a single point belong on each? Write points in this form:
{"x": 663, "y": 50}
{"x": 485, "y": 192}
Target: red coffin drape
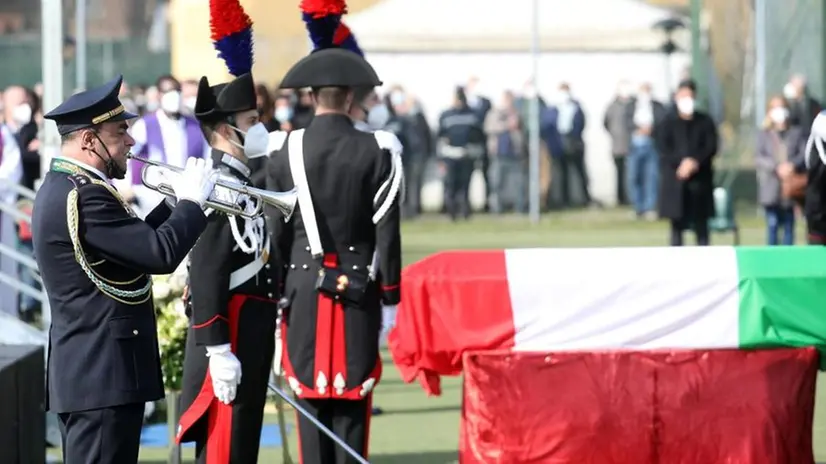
{"x": 676, "y": 407}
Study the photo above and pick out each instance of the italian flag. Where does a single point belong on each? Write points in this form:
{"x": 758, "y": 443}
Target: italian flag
{"x": 606, "y": 299}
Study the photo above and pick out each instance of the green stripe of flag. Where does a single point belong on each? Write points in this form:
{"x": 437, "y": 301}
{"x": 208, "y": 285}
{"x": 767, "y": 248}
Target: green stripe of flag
{"x": 782, "y": 297}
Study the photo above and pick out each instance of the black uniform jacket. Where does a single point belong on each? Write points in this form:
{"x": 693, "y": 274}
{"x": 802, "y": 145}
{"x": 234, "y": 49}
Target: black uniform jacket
{"x": 345, "y": 170}
{"x": 104, "y": 352}
{"x": 213, "y": 261}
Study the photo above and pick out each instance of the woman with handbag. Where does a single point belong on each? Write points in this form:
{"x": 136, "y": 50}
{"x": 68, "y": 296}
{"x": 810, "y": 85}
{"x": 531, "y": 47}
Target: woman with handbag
{"x": 781, "y": 182}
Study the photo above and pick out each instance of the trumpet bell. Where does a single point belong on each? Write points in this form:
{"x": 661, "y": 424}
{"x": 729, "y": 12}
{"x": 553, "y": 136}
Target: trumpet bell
{"x": 284, "y": 202}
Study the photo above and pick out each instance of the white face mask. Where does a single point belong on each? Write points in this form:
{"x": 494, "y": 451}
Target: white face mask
{"x": 789, "y": 91}
{"x": 685, "y": 106}
{"x": 778, "y": 115}
{"x": 189, "y": 103}
{"x": 22, "y": 114}
{"x": 283, "y": 114}
{"x": 171, "y": 102}
{"x": 256, "y": 140}
{"x": 397, "y": 98}
{"x": 378, "y": 116}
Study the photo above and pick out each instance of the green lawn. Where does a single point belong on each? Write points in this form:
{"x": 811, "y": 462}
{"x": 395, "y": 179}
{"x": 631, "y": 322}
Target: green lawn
{"x": 416, "y": 429}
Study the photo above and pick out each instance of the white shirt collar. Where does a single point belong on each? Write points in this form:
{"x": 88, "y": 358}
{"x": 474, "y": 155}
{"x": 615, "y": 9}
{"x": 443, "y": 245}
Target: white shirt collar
{"x": 163, "y": 118}
{"x": 86, "y": 167}
{"x": 236, "y": 164}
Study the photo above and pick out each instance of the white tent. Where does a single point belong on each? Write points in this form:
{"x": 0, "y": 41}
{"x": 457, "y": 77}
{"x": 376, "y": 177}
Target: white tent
{"x": 430, "y": 46}
{"x": 497, "y": 25}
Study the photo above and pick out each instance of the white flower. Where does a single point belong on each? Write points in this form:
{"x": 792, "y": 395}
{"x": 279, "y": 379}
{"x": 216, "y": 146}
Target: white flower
{"x": 161, "y": 290}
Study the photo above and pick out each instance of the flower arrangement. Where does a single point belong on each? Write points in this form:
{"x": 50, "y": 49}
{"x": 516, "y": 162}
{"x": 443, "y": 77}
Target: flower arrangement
{"x": 167, "y": 294}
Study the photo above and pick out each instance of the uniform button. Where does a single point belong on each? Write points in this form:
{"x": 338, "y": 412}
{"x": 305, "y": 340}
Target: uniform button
{"x": 305, "y": 267}
{"x": 306, "y": 248}
{"x": 292, "y": 266}
{"x": 269, "y": 295}
{"x": 352, "y": 248}
{"x": 135, "y": 332}
{"x": 269, "y": 281}
{"x": 355, "y": 268}
{"x": 266, "y": 266}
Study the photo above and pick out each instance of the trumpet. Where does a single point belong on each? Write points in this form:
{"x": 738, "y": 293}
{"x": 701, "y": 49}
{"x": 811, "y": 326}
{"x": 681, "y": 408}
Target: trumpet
{"x": 283, "y": 201}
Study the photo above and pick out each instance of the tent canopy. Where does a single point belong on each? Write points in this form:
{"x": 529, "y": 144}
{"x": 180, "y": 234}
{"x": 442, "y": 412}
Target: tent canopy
{"x": 506, "y": 26}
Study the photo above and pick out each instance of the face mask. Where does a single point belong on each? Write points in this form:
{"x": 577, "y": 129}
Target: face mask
{"x": 778, "y": 115}
{"x": 283, "y": 114}
{"x": 151, "y": 106}
{"x": 22, "y": 114}
{"x": 789, "y": 91}
{"x": 378, "y": 116}
{"x": 255, "y": 141}
{"x": 171, "y": 102}
{"x": 110, "y": 167}
{"x": 189, "y": 103}
{"x": 685, "y": 106}
{"x": 397, "y": 98}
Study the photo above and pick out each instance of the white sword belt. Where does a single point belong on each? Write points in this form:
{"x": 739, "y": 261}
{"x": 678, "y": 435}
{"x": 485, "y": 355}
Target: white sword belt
{"x": 248, "y": 271}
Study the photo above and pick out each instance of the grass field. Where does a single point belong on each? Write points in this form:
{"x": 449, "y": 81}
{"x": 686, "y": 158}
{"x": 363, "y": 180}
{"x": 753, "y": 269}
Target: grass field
{"x": 420, "y": 430}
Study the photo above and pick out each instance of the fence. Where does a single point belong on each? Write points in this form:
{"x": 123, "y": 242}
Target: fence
{"x": 105, "y": 58}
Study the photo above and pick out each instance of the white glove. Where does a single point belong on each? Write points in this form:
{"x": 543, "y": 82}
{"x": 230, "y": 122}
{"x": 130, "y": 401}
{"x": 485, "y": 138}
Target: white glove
{"x": 225, "y": 370}
{"x": 195, "y": 182}
{"x": 388, "y": 317}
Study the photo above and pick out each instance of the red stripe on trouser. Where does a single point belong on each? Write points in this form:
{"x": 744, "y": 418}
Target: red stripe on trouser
{"x": 324, "y": 333}
{"x": 219, "y": 420}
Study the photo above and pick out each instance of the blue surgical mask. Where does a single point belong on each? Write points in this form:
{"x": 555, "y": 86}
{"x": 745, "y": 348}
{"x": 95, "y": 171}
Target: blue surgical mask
{"x": 283, "y": 114}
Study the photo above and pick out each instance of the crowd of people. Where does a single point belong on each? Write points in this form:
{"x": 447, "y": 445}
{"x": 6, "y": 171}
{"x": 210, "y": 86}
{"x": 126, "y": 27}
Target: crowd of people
{"x": 663, "y": 151}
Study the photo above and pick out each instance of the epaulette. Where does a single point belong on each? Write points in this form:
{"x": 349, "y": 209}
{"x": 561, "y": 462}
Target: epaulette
{"x": 80, "y": 180}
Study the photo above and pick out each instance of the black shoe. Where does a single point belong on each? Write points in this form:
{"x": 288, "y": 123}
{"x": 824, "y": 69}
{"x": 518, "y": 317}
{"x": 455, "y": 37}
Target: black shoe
{"x": 377, "y": 411}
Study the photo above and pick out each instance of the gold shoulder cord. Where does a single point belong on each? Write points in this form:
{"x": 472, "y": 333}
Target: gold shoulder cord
{"x": 101, "y": 282}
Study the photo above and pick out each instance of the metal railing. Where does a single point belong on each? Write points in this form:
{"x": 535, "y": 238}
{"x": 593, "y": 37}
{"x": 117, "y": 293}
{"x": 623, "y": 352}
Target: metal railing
{"x": 13, "y": 279}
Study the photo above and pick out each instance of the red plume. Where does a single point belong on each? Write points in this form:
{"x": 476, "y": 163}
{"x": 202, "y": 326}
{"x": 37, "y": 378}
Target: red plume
{"x": 321, "y": 8}
{"x": 227, "y": 17}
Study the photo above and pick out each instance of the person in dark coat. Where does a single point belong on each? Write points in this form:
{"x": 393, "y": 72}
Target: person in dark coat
{"x": 815, "y": 164}
{"x": 341, "y": 254}
{"x": 95, "y": 259}
{"x": 461, "y": 142}
{"x": 687, "y": 144}
{"x": 231, "y": 291}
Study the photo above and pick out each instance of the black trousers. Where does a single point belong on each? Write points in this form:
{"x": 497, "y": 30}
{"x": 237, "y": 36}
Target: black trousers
{"x": 457, "y": 185}
{"x": 699, "y": 226}
{"x": 231, "y": 433}
{"x": 622, "y": 189}
{"x": 102, "y": 436}
{"x": 561, "y": 194}
{"x": 348, "y": 419}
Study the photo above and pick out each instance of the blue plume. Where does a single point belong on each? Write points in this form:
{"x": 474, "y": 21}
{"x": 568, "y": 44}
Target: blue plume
{"x": 236, "y": 51}
{"x": 322, "y": 29}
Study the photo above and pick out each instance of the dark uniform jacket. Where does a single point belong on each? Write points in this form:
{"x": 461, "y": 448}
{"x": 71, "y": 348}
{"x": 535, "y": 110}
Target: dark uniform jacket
{"x": 677, "y": 139}
{"x": 815, "y": 201}
{"x": 327, "y": 355}
{"x": 233, "y": 301}
{"x": 104, "y": 348}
